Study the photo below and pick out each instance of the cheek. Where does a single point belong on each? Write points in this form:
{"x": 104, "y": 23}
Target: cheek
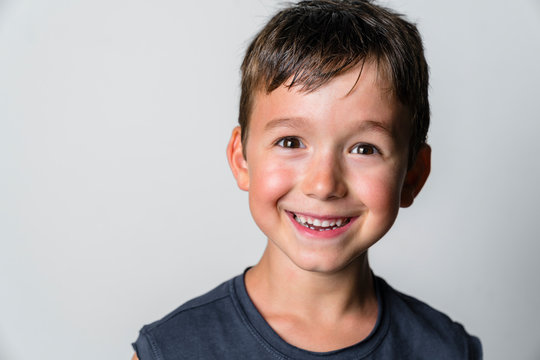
{"x": 268, "y": 184}
{"x": 270, "y": 181}
{"x": 381, "y": 192}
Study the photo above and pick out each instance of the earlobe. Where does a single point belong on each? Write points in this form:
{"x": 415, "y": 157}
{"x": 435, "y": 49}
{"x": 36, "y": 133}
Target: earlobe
{"x": 237, "y": 161}
{"x": 416, "y": 176}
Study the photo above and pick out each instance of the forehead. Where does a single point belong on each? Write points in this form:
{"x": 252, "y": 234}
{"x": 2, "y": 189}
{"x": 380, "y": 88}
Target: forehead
{"x": 362, "y": 94}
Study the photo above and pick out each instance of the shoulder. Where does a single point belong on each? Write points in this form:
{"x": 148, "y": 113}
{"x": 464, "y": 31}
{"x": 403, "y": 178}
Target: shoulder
{"x": 210, "y": 302}
{"x": 194, "y": 319}
{"x": 418, "y": 328}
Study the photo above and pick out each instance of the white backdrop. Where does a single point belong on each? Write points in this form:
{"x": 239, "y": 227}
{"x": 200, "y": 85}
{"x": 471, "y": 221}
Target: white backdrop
{"x": 117, "y": 204}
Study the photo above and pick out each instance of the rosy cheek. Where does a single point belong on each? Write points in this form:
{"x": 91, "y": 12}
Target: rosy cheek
{"x": 379, "y": 193}
{"x": 268, "y": 184}
{"x": 272, "y": 181}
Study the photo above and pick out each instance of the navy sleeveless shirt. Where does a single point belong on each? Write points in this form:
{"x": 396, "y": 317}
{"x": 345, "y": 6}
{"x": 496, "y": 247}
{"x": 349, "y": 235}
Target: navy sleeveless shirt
{"x": 224, "y": 324}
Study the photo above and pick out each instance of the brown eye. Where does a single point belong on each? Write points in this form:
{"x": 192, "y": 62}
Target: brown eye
{"x": 364, "y": 149}
{"x": 290, "y": 142}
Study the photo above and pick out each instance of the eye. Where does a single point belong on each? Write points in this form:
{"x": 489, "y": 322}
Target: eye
{"x": 364, "y": 149}
{"x": 290, "y": 142}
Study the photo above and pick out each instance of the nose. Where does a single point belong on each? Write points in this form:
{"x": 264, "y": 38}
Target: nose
{"x": 324, "y": 178}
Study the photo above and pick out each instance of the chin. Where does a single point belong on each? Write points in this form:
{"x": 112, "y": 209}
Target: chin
{"x": 324, "y": 265}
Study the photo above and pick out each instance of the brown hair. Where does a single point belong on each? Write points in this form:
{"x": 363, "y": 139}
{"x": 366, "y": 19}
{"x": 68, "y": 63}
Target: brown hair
{"x": 313, "y": 41}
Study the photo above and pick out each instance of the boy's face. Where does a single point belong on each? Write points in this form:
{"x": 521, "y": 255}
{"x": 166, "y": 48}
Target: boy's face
{"x": 327, "y": 170}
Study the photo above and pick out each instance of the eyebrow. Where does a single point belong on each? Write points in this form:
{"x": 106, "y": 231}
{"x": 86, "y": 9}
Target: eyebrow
{"x": 294, "y": 123}
{"x": 297, "y": 122}
{"x": 376, "y": 126}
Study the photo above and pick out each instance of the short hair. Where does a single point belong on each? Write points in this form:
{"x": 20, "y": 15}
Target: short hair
{"x": 313, "y": 41}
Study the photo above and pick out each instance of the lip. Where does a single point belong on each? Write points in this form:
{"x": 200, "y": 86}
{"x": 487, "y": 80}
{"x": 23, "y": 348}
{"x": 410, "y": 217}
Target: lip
{"x": 326, "y": 234}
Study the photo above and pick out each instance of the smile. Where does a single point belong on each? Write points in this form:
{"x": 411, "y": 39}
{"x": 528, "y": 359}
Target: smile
{"x": 320, "y": 224}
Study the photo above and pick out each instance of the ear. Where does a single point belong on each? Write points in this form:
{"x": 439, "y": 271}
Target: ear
{"x": 237, "y": 161}
{"x": 416, "y": 176}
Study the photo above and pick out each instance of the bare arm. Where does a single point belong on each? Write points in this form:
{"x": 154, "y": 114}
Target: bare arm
{"x": 135, "y": 357}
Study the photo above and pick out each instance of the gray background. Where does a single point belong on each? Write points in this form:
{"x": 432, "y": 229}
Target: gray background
{"x": 117, "y": 204}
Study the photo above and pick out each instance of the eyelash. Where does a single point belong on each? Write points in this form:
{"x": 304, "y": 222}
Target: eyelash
{"x": 292, "y": 142}
{"x": 371, "y": 150}
{"x": 287, "y": 143}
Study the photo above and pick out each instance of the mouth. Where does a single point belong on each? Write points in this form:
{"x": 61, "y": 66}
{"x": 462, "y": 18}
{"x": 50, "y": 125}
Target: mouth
{"x": 319, "y": 224}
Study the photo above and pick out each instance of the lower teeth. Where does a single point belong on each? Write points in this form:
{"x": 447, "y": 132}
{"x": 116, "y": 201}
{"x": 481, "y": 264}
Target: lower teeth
{"x": 319, "y": 229}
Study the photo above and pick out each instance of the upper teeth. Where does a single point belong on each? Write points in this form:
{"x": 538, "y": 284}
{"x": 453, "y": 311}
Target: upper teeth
{"x": 319, "y": 223}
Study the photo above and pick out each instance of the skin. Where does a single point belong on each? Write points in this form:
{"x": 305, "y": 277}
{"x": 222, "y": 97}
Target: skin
{"x": 339, "y": 152}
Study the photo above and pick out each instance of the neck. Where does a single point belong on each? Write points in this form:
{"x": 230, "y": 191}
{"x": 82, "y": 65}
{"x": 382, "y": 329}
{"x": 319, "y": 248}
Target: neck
{"x": 276, "y": 283}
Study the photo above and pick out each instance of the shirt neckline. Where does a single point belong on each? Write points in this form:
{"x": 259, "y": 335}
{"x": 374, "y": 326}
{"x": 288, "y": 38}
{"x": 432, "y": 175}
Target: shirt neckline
{"x": 270, "y": 340}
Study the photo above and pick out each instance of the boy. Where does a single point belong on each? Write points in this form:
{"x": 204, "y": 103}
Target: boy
{"x": 332, "y": 141}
